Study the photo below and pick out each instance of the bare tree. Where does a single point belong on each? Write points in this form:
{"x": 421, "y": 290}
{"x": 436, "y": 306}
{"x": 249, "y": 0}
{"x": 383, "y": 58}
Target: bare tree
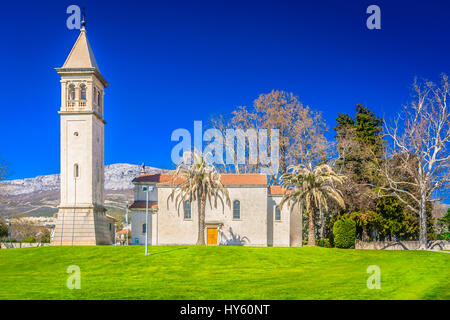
{"x": 419, "y": 165}
{"x": 301, "y": 129}
{"x": 3, "y": 172}
{"x": 23, "y": 227}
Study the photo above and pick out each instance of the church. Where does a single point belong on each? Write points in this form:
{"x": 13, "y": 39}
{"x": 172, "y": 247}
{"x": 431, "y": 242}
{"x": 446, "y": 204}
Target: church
{"x": 254, "y": 218}
{"x": 81, "y": 217}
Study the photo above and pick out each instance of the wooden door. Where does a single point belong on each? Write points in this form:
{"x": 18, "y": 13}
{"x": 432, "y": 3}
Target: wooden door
{"x": 211, "y": 236}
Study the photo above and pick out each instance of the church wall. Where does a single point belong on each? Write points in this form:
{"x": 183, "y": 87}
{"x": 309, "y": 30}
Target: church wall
{"x": 249, "y": 230}
{"x": 278, "y": 230}
{"x": 137, "y": 220}
{"x": 140, "y": 195}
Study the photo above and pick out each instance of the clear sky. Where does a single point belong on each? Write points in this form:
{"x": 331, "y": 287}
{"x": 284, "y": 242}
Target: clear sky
{"x": 172, "y": 62}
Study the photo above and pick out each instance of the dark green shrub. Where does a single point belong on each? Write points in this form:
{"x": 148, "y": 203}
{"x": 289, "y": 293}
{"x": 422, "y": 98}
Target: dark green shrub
{"x": 344, "y": 231}
{"x": 4, "y": 230}
{"x": 326, "y": 243}
{"x": 29, "y": 240}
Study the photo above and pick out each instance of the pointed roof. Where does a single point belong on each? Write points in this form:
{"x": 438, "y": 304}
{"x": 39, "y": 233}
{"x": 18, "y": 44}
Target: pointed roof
{"x": 81, "y": 59}
{"x": 81, "y": 55}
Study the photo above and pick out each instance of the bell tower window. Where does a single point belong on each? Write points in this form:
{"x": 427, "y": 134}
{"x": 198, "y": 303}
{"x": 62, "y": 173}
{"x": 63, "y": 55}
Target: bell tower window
{"x": 99, "y": 99}
{"x": 82, "y": 102}
{"x": 71, "y": 92}
{"x": 71, "y": 97}
{"x": 82, "y": 92}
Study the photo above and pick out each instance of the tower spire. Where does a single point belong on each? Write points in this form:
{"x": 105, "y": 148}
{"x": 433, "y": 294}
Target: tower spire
{"x": 83, "y": 21}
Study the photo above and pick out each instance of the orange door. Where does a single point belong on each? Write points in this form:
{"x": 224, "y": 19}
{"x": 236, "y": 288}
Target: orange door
{"x": 211, "y": 236}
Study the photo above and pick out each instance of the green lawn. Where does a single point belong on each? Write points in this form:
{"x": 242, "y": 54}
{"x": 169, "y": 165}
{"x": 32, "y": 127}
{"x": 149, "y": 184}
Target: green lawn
{"x": 191, "y": 272}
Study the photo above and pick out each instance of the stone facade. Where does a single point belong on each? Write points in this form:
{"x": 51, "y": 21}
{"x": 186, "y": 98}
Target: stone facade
{"x": 257, "y": 224}
{"x": 82, "y": 218}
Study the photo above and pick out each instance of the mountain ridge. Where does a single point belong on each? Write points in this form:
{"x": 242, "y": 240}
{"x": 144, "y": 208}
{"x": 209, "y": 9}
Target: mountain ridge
{"x": 39, "y": 196}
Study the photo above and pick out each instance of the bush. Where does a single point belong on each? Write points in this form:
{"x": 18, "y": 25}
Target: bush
{"x": 326, "y": 243}
{"x": 444, "y": 236}
{"x": 344, "y": 231}
{"x": 29, "y": 240}
{"x": 4, "y": 230}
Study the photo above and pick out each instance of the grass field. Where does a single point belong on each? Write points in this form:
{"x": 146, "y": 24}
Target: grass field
{"x": 191, "y": 272}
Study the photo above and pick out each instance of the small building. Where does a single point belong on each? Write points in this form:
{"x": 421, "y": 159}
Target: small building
{"x": 111, "y": 222}
{"x": 123, "y": 236}
{"x": 254, "y": 218}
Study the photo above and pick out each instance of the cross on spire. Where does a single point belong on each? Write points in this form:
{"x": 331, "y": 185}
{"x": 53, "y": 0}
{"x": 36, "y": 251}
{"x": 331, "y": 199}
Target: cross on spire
{"x": 83, "y": 22}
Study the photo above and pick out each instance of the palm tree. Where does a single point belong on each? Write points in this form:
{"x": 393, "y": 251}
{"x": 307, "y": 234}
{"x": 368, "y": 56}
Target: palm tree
{"x": 312, "y": 187}
{"x": 197, "y": 179}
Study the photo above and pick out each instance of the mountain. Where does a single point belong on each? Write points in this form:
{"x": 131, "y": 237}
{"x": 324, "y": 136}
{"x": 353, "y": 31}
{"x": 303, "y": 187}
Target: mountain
{"x": 39, "y": 196}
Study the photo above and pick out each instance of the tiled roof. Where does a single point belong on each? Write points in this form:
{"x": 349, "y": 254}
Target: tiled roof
{"x": 243, "y": 179}
{"x": 143, "y": 204}
{"x": 153, "y": 178}
{"x": 123, "y": 231}
{"x": 277, "y": 190}
{"x": 226, "y": 179}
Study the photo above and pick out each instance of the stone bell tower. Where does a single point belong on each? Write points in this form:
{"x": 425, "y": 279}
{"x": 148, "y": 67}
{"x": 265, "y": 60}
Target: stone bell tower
{"x": 82, "y": 218}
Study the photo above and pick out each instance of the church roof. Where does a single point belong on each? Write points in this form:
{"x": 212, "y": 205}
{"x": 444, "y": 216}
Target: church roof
{"x": 226, "y": 179}
{"x": 81, "y": 55}
{"x": 142, "y": 205}
{"x": 277, "y": 190}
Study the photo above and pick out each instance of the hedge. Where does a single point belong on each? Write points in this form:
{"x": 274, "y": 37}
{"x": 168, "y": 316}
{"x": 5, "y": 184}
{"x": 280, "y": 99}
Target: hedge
{"x": 344, "y": 231}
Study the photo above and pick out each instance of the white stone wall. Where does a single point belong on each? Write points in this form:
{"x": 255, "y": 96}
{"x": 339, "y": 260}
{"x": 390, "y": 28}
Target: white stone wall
{"x": 75, "y": 150}
{"x": 250, "y": 229}
{"x": 436, "y": 245}
{"x": 256, "y": 227}
{"x": 137, "y": 220}
{"x": 278, "y": 231}
{"x": 140, "y": 195}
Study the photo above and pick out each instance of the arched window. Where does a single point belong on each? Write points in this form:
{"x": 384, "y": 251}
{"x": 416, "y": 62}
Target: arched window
{"x": 236, "y": 209}
{"x": 71, "y": 92}
{"x": 144, "y": 228}
{"x": 187, "y": 209}
{"x": 277, "y": 213}
{"x": 95, "y": 95}
{"x": 99, "y": 98}
{"x": 76, "y": 170}
{"x": 82, "y": 92}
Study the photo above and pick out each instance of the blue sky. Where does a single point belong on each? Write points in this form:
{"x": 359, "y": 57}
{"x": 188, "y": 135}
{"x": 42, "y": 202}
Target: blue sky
{"x": 172, "y": 62}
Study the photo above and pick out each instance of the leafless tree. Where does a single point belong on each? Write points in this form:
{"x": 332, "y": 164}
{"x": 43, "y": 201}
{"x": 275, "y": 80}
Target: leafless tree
{"x": 417, "y": 170}
{"x": 301, "y": 129}
{"x": 3, "y": 172}
{"x": 23, "y": 227}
